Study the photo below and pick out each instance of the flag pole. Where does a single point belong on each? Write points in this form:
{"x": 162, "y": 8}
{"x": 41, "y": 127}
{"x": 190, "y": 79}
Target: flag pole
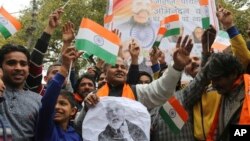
{"x": 65, "y": 4}
{"x": 70, "y": 67}
{"x": 208, "y": 42}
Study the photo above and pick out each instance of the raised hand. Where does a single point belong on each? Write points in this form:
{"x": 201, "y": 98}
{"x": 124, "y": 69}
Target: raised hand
{"x": 99, "y": 63}
{"x": 134, "y": 51}
{"x": 207, "y": 40}
{"x": 181, "y": 54}
{"x": 68, "y": 56}
{"x": 161, "y": 58}
{"x": 54, "y": 21}
{"x": 68, "y": 33}
{"x": 154, "y": 55}
{"x": 119, "y": 34}
{"x": 225, "y": 17}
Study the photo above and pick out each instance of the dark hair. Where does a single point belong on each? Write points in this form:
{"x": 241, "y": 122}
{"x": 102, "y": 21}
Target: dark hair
{"x": 69, "y": 96}
{"x": 87, "y": 76}
{"x": 223, "y": 65}
{"x": 8, "y": 48}
{"x": 141, "y": 73}
{"x": 99, "y": 75}
{"x": 53, "y": 65}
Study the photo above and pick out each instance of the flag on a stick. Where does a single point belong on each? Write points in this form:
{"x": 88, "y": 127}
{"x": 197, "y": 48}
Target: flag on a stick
{"x": 8, "y": 24}
{"x": 205, "y": 13}
{"x": 174, "y": 114}
{"x": 95, "y": 39}
{"x": 172, "y": 24}
{"x": 160, "y": 34}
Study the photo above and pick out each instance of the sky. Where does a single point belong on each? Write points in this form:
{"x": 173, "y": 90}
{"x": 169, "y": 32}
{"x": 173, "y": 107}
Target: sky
{"x": 13, "y": 6}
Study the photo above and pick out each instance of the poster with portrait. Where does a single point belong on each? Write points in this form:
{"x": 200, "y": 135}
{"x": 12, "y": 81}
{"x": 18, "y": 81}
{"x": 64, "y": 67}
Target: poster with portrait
{"x": 140, "y": 19}
{"x": 116, "y": 119}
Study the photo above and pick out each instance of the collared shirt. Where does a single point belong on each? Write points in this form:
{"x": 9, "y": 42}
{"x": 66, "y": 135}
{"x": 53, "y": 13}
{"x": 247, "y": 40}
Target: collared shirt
{"x": 21, "y": 108}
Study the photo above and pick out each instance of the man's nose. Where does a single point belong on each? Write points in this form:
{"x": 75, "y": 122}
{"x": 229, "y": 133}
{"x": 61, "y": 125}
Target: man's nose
{"x": 57, "y": 106}
{"x": 18, "y": 66}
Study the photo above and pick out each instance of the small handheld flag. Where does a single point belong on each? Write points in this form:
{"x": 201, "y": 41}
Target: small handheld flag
{"x": 8, "y": 24}
{"x": 205, "y": 13}
{"x": 97, "y": 40}
{"x": 172, "y": 24}
{"x": 160, "y": 34}
{"x": 174, "y": 114}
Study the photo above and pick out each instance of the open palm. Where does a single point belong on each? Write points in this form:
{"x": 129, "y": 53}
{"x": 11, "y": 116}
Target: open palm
{"x": 181, "y": 54}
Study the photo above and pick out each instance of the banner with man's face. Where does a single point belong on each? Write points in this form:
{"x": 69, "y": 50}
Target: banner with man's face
{"x": 116, "y": 119}
{"x": 140, "y": 19}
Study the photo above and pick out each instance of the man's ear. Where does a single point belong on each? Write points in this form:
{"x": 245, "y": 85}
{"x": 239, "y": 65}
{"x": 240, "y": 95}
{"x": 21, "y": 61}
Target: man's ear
{"x": 73, "y": 112}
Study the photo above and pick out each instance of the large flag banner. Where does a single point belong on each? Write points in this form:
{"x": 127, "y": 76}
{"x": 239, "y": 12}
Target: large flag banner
{"x": 95, "y": 39}
{"x": 116, "y": 119}
{"x": 9, "y": 25}
{"x": 140, "y": 19}
{"x": 174, "y": 114}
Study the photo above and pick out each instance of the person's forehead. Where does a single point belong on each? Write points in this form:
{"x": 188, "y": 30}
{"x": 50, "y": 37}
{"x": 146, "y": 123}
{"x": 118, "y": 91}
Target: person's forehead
{"x": 84, "y": 80}
{"x": 102, "y": 75}
{"x": 18, "y": 56}
{"x": 120, "y": 61}
{"x": 194, "y": 57}
{"x": 63, "y": 98}
{"x": 144, "y": 76}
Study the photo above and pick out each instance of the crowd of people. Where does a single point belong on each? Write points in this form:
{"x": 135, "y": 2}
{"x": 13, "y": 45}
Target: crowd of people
{"x": 216, "y": 98}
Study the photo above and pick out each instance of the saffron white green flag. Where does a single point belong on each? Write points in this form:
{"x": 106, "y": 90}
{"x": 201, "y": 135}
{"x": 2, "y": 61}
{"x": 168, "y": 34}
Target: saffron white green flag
{"x": 95, "y": 39}
{"x": 160, "y": 34}
{"x": 8, "y": 24}
{"x": 172, "y": 24}
{"x": 205, "y": 13}
{"x": 221, "y": 42}
{"x": 174, "y": 114}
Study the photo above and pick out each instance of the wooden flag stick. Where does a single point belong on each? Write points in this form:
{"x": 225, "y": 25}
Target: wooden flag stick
{"x": 65, "y": 4}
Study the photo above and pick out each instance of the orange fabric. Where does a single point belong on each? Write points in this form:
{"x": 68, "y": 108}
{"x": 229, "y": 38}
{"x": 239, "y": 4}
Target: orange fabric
{"x": 77, "y": 97}
{"x": 211, "y": 133}
{"x": 127, "y": 91}
{"x": 245, "y": 112}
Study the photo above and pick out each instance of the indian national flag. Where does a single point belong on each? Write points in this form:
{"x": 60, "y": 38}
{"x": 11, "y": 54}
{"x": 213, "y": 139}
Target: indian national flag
{"x": 205, "y": 13}
{"x": 221, "y": 42}
{"x": 160, "y": 34}
{"x": 172, "y": 24}
{"x": 8, "y": 24}
{"x": 174, "y": 114}
{"x": 95, "y": 39}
